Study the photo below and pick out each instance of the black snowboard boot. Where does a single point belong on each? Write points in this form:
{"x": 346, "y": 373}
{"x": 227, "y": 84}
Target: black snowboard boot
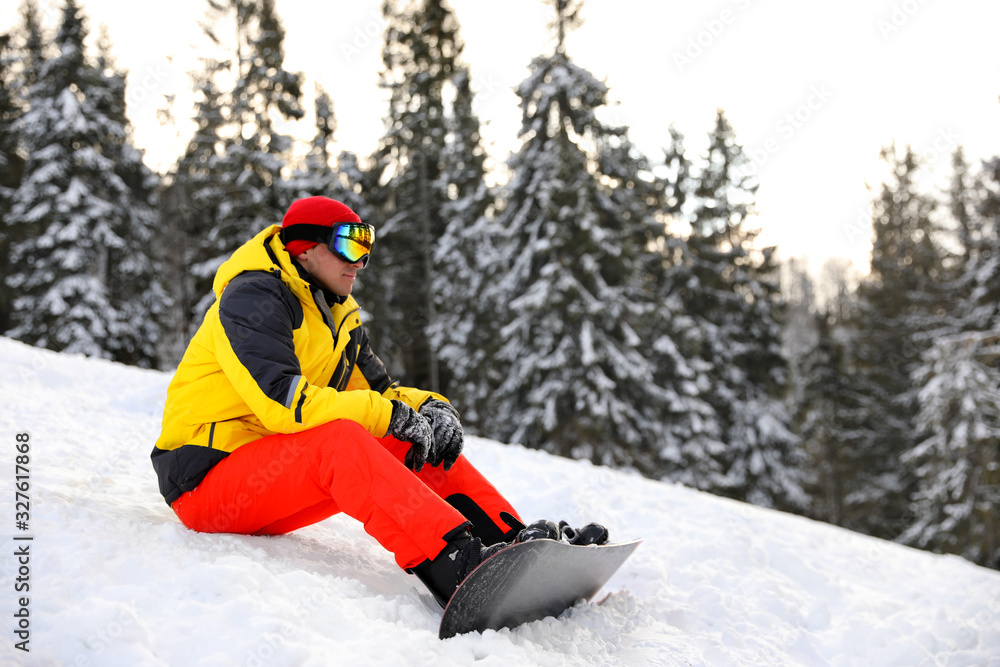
{"x": 462, "y": 555}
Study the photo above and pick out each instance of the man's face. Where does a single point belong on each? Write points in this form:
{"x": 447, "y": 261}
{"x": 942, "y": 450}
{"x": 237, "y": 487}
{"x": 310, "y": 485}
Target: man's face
{"x": 329, "y": 270}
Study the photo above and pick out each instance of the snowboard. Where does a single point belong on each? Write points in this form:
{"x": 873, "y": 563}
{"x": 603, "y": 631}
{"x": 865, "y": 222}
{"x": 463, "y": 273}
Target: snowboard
{"x": 529, "y": 581}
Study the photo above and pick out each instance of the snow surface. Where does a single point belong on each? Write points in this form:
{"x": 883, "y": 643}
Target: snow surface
{"x": 116, "y": 580}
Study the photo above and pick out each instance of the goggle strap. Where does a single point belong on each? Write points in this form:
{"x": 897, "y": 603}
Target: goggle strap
{"x": 306, "y": 232}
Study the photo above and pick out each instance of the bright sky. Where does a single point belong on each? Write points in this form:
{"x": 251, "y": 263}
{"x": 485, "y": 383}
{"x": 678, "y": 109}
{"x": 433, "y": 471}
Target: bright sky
{"x": 814, "y": 90}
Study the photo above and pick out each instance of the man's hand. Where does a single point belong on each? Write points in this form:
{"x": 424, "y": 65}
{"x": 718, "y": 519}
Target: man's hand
{"x": 407, "y": 425}
{"x": 448, "y": 436}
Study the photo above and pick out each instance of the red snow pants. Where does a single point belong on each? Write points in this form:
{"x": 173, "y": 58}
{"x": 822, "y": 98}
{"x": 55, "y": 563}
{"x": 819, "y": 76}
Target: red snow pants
{"x": 283, "y": 482}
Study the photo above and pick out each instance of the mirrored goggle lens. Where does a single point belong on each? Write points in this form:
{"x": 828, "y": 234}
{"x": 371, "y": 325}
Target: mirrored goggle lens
{"x": 353, "y": 241}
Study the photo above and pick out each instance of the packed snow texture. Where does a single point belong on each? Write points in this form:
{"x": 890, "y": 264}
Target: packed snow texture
{"x": 115, "y": 579}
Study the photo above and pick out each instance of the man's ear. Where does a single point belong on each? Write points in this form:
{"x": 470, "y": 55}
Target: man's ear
{"x": 302, "y": 259}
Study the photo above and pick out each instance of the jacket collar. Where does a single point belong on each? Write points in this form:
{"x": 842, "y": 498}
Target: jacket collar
{"x": 266, "y": 252}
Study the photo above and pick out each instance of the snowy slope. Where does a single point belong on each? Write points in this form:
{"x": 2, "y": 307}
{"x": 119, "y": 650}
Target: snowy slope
{"x": 116, "y": 580}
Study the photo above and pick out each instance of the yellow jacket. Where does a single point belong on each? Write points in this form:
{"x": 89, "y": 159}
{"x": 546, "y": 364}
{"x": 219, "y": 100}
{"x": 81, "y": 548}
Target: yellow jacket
{"x": 275, "y": 354}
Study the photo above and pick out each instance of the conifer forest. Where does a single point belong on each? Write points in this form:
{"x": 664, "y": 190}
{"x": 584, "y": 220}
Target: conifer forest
{"x": 595, "y": 302}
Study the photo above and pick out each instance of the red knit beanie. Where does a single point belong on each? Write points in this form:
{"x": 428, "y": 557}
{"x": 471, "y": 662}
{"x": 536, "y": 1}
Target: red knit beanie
{"x": 314, "y": 212}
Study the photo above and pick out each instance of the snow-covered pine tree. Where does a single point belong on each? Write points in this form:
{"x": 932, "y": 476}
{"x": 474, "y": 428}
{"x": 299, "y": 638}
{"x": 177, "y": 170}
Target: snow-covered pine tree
{"x": 74, "y": 212}
{"x": 732, "y": 291}
{"x": 983, "y": 271}
{"x": 956, "y": 507}
{"x": 421, "y": 58}
{"x": 575, "y": 379}
{"x": 265, "y": 92}
{"x": 770, "y": 452}
{"x": 899, "y": 305}
{"x": 36, "y": 48}
{"x": 675, "y": 418}
{"x": 11, "y": 161}
{"x": 818, "y": 418}
{"x": 137, "y": 286}
{"x": 248, "y": 168}
{"x": 23, "y": 54}
{"x": 957, "y": 466}
{"x": 822, "y": 404}
{"x": 799, "y": 332}
{"x": 315, "y": 175}
{"x": 962, "y": 206}
{"x": 460, "y": 334}
{"x": 676, "y": 180}
{"x": 190, "y": 203}
{"x": 692, "y": 428}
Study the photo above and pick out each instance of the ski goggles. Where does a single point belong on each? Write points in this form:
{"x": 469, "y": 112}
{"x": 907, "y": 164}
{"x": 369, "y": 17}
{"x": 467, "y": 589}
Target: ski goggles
{"x": 352, "y": 241}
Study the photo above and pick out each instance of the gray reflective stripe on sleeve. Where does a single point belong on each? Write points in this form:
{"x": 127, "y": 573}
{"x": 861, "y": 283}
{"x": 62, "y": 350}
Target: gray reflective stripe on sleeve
{"x": 291, "y": 392}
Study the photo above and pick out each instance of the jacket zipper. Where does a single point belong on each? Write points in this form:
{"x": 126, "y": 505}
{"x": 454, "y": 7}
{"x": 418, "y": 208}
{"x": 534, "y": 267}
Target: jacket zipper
{"x": 342, "y": 362}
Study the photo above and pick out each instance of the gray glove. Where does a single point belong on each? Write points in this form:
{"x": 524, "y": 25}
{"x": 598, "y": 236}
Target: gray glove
{"x": 408, "y": 426}
{"x": 448, "y": 436}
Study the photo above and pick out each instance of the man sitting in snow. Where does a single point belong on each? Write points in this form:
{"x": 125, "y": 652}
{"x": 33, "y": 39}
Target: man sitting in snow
{"x": 281, "y": 415}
